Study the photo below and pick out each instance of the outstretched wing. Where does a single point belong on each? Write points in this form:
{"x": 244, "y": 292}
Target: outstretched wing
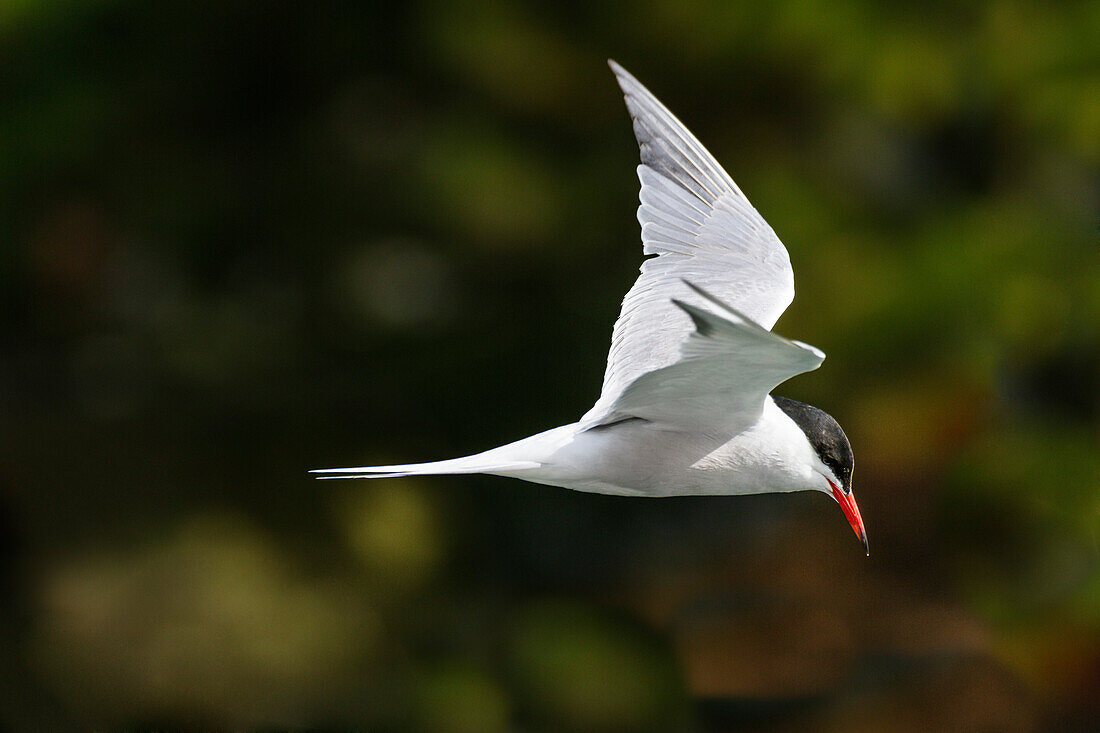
{"x": 701, "y": 227}
{"x": 724, "y": 370}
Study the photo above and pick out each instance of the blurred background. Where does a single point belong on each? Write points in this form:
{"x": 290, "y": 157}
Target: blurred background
{"x": 245, "y": 239}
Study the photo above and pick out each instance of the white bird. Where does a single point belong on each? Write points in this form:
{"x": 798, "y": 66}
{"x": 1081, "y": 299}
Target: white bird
{"x": 685, "y": 406}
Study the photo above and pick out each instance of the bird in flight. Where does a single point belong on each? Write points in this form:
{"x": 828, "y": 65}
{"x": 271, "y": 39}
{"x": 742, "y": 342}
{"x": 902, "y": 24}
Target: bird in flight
{"x": 685, "y": 407}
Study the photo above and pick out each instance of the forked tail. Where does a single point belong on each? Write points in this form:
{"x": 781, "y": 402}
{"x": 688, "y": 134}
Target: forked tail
{"x": 468, "y": 464}
{"x": 515, "y": 458}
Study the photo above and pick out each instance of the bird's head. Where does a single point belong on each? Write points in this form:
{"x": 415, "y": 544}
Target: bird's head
{"x": 833, "y": 462}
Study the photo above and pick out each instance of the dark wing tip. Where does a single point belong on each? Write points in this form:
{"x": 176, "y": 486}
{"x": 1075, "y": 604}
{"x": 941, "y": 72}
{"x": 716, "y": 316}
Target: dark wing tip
{"x": 702, "y": 326}
{"x": 729, "y": 310}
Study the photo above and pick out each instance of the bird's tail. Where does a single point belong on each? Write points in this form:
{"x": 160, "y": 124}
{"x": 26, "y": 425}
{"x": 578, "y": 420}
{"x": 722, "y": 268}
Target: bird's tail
{"x": 515, "y": 459}
{"x": 479, "y": 463}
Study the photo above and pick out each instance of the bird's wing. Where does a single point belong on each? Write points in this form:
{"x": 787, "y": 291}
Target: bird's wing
{"x": 725, "y": 368}
{"x": 701, "y": 227}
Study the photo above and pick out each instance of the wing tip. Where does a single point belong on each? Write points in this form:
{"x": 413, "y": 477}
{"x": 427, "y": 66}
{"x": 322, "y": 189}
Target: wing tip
{"x": 742, "y": 319}
{"x": 617, "y": 69}
{"x": 713, "y": 300}
{"x": 630, "y": 86}
{"x": 698, "y": 317}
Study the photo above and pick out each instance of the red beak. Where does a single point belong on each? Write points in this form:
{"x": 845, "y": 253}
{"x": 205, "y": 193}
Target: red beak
{"x": 851, "y": 511}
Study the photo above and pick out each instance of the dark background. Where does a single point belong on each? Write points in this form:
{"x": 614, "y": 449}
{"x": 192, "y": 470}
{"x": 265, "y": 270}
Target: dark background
{"x": 242, "y": 240}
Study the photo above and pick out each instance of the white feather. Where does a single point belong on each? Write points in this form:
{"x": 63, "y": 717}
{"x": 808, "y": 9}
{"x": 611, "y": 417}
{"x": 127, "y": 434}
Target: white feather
{"x": 702, "y": 228}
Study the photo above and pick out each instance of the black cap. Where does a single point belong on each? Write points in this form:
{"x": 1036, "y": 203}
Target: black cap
{"x": 825, "y": 435}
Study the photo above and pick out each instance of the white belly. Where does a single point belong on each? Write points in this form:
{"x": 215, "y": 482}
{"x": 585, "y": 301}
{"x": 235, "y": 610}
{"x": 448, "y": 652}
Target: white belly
{"x": 635, "y": 459}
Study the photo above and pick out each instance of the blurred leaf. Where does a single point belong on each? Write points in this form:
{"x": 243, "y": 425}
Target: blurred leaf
{"x": 455, "y": 698}
{"x": 583, "y": 670}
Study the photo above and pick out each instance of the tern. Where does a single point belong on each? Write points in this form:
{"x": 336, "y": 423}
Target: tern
{"x": 685, "y": 407}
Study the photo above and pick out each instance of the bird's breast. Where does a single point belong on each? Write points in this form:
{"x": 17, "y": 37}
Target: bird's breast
{"x": 637, "y": 458}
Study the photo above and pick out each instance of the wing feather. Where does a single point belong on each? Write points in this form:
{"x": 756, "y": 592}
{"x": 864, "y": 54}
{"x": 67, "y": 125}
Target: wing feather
{"x": 701, "y": 227}
{"x": 726, "y": 368}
